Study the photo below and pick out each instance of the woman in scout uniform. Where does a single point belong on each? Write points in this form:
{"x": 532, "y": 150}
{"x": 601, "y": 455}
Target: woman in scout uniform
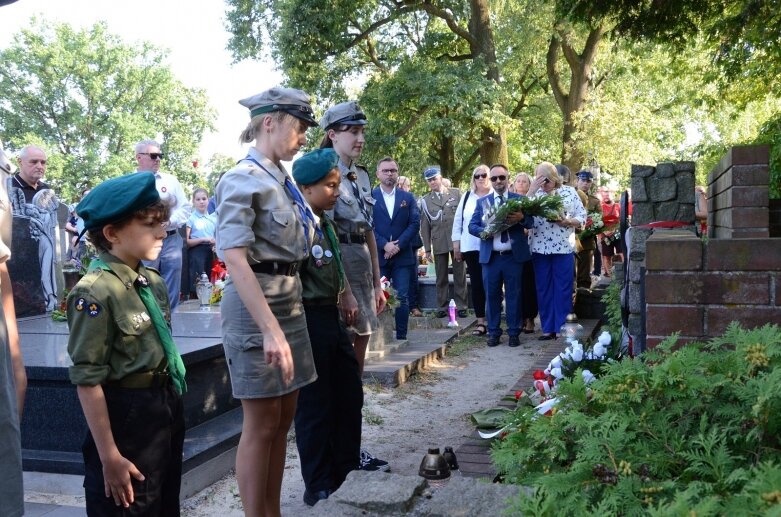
{"x": 128, "y": 372}
{"x": 344, "y": 126}
{"x": 328, "y": 418}
{"x": 265, "y": 231}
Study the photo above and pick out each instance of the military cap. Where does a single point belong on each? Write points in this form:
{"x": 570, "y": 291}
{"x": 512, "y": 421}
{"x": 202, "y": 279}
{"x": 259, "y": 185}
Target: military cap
{"x": 346, "y": 113}
{"x": 291, "y": 101}
{"x": 117, "y": 198}
{"x": 585, "y": 175}
{"x": 431, "y": 172}
{"x": 314, "y": 166}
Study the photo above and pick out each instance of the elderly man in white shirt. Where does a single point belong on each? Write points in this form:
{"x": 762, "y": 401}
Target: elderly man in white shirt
{"x": 169, "y": 263}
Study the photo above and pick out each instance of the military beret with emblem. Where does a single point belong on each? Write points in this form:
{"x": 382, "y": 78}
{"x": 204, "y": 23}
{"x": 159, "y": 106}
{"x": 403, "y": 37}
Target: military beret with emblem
{"x": 117, "y": 199}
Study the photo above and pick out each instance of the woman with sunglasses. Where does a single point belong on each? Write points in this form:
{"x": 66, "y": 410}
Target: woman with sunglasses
{"x": 467, "y": 247}
{"x": 553, "y": 250}
{"x": 265, "y": 230}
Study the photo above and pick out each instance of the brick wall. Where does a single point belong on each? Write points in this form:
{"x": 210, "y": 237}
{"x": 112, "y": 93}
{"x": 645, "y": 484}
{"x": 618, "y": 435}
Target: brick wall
{"x": 698, "y": 287}
{"x": 738, "y": 194}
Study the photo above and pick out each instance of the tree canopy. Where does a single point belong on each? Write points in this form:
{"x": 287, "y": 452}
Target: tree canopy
{"x": 88, "y": 97}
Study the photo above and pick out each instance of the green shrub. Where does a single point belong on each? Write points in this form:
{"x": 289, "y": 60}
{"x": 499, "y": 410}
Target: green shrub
{"x": 691, "y": 430}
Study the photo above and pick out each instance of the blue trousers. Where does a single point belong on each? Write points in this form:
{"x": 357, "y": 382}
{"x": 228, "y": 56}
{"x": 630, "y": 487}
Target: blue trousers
{"x": 400, "y": 279}
{"x": 169, "y": 263}
{"x": 553, "y": 274}
{"x": 328, "y": 416}
{"x": 413, "y": 286}
{"x": 503, "y": 269}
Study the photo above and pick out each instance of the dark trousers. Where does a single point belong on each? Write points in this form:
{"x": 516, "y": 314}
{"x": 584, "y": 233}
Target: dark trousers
{"x": 583, "y": 268}
{"x": 529, "y": 297}
{"x": 328, "y": 417}
{"x": 148, "y": 428}
{"x": 413, "y": 286}
{"x": 503, "y": 269}
{"x": 441, "y": 261}
{"x": 400, "y": 279}
{"x": 199, "y": 260}
{"x": 554, "y": 288}
{"x": 475, "y": 270}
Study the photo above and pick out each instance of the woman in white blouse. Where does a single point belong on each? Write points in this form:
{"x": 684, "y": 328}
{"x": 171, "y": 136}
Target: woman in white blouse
{"x": 553, "y": 250}
{"x": 467, "y": 247}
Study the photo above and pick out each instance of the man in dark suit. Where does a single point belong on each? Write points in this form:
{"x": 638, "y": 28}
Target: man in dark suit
{"x": 502, "y": 256}
{"x": 396, "y": 223}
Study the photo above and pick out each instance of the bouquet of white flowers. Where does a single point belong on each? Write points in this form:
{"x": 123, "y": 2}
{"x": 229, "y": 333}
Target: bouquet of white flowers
{"x": 549, "y": 207}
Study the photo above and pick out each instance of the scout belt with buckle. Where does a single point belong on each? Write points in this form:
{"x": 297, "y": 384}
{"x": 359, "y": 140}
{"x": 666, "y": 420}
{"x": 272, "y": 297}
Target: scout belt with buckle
{"x": 352, "y": 238}
{"x": 276, "y": 268}
{"x": 142, "y": 380}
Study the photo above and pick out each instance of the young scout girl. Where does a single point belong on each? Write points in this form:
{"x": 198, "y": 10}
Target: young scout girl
{"x": 200, "y": 238}
{"x": 264, "y": 231}
{"x": 344, "y": 125}
{"x": 128, "y": 373}
{"x": 328, "y": 418}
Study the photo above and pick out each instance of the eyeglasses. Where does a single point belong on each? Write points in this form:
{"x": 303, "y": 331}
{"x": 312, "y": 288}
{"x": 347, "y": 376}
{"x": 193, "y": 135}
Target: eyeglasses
{"x": 545, "y": 181}
{"x": 480, "y": 176}
{"x": 154, "y": 156}
{"x": 494, "y": 179}
{"x": 389, "y": 171}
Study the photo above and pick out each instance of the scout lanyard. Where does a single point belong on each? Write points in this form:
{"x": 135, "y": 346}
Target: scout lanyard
{"x": 175, "y": 364}
{"x": 303, "y": 208}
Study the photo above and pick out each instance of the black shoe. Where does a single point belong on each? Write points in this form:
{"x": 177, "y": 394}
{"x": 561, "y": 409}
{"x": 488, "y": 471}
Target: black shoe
{"x": 311, "y": 498}
{"x": 493, "y": 341}
{"x": 515, "y": 341}
{"x": 547, "y": 337}
{"x": 463, "y": 313}
{"x": 400, "y": 338}
{"x": 441, "y": 314}
{"x": 370, "y": 463}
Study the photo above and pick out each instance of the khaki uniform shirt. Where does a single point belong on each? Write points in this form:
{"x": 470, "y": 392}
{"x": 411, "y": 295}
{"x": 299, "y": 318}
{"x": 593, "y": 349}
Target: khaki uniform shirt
{"x": 320, "y": 275}
{"x": 347, "y": 213}
{"x": 255, "y": 210}
{"x": 111, "y": 333}
{"x": 437, "y": 213}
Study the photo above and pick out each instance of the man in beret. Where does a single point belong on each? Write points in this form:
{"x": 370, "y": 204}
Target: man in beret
{"x": 585, "y": 257}
{"x": 128, "y": 373}
{"x": 438, "y": 210}
{"x": 396, "y": 224}
{"x": 149, "y": 156}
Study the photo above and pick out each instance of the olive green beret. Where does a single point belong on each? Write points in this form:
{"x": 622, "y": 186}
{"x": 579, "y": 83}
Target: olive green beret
{"x": 117, "y": 198}
{"x": 346, "y": 113}
{"x": 314, "y": 166}
{"x": 291, "y": 101}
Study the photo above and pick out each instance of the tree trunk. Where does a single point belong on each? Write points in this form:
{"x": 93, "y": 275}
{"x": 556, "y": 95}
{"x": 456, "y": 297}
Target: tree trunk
{"x": 572, "y": 102}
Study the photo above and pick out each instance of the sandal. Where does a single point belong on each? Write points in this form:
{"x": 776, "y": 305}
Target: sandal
{"x": 480, "y": 330}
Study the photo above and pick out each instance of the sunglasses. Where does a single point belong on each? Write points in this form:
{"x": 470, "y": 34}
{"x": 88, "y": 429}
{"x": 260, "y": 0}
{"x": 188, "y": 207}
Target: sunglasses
{"x": 480, "y": 176}
{"x": 154, "y": 156}
{"x": 494, "y": 179}
{"x": 545, "y": 181}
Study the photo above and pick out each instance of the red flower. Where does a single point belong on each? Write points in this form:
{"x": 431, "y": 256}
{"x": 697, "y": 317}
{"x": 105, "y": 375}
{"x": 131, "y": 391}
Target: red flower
{"x": 518, "y": 394}
{"x": 549, "y": 412}
{"x": 539, "y": 375}
{"x": 386, "y": 293}
{"x": 504, "y": 433}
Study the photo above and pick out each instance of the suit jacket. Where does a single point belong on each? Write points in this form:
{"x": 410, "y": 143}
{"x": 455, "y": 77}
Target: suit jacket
{"x": 436, "y": 220}
{"x": 403, "y": 226}
{"x": 518, "y": 239}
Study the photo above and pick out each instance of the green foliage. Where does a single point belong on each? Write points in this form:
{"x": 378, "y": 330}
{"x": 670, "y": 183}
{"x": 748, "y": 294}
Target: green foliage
{"x": 695, "y": 429}
{"x": 770, "y": 134}
{"x": 87, "y": 98}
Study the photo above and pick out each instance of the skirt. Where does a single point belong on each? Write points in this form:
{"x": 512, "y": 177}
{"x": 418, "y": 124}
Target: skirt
{"x": 358, "y": 269}
{"x": 251, "y": 376}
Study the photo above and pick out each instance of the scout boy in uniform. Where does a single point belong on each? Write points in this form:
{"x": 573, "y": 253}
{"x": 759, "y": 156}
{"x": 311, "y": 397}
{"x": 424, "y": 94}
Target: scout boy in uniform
{"x": 328, "y": 418}
{"x": 128, "y": 372}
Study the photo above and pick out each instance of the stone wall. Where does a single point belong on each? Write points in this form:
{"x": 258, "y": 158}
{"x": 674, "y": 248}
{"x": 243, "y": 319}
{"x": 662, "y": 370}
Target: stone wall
{"x": 698, "y": 287}
{"x": 775, "y": 218}
{"x": 738, "y": 189}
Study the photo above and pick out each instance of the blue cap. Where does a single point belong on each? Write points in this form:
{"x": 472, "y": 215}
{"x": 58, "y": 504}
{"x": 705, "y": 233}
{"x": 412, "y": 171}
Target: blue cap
{"x": 431, "y": 172}
{"x": 585, "y": 175}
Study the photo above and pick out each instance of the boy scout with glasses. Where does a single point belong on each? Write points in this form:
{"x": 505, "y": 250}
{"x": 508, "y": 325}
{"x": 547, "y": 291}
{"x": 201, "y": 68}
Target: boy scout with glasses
{"x": 128, "y": 372}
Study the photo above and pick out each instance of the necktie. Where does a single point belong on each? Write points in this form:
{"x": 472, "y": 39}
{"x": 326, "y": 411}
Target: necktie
{"x": 361, "y": 204}
{"x": 175, "y": 364}
{"x": 504, "y": 236}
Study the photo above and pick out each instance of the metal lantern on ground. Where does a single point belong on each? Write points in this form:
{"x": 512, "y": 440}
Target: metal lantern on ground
{"x": 203, "y": 288}
{"x": 571, "y": 330}
{"x": 434, "y": 466}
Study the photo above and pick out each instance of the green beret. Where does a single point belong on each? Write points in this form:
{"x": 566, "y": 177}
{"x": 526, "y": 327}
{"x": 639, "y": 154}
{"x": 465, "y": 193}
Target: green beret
{"x": 117, "y": 198}
{"x": 291, "y": 101}
{"x": 314, "y": 166}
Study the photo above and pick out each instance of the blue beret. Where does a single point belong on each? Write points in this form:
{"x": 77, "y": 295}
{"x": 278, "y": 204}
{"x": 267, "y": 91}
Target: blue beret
{"x": 585, "y": 175}
{"x": 314, "y": 166}
{"x": 430, "y": 172}
{"x": 117, "y": 198}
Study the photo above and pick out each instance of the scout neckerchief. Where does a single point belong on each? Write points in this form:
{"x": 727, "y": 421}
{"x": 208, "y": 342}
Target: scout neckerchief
{"x": 303, "y": 208}
{"x": 334, "y": 243}
{"x": 175, "y": 364}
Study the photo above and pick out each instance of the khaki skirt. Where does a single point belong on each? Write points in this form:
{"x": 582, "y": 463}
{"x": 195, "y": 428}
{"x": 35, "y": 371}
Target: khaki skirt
{"x": 358, "y": 269}
{"x": 251, "y": 376}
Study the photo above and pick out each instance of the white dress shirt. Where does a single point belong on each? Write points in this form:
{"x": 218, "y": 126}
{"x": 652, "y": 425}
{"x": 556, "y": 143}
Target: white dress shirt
{"x": 390, "y": 200}
{"x": 499, "y": 200}
{"x": 466, "y": 208}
